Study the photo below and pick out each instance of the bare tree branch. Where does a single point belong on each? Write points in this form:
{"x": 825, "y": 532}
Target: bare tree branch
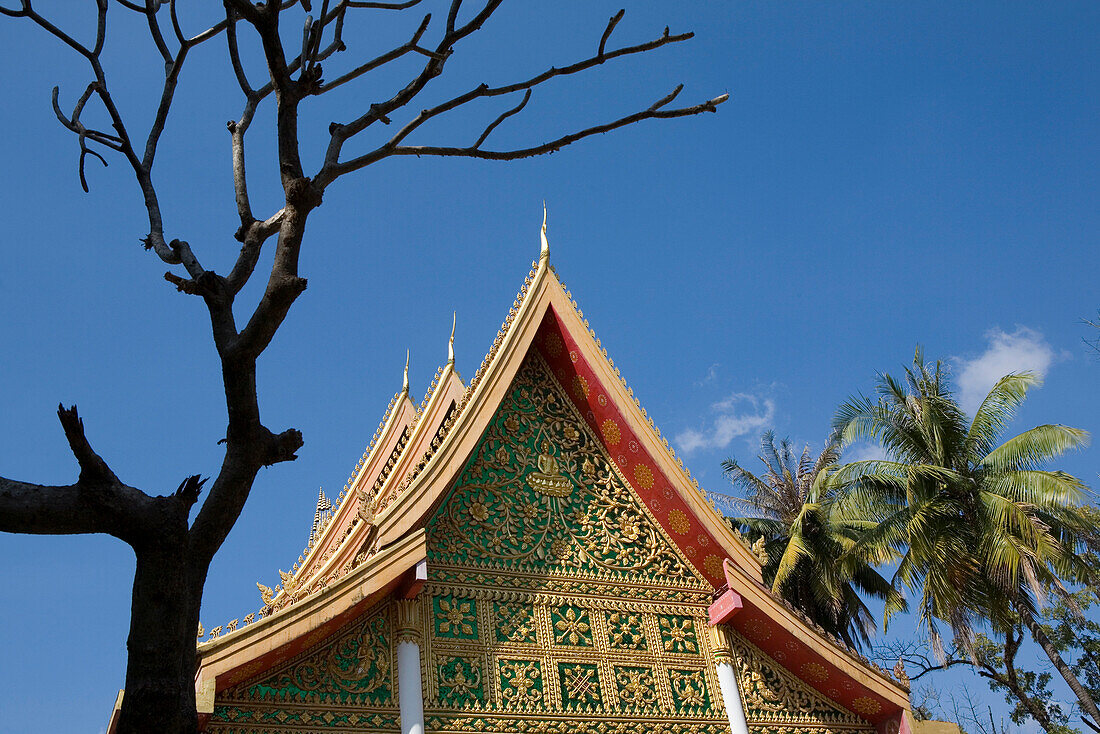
{"x": 653, "y": 112}
{"x": 381, "y": 6}
{"x": 98, "y": 502}
{"x": 396, "y": 53}
{"x": 180, "y": 38}
{"x": 504, "y": 116}
{"x": 151, "y": 7}
{"x": 433, "y": 68}
{"x": 333, "y": 168}
{"x": 92, "y": 467}
{"x": 234, "y": 52}
{"x": 253, "y": 240}
{"x": 609, "y": 30}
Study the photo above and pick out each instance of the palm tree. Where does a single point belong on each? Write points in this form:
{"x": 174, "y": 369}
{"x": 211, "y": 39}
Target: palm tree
{"x": 808, "y": 559}
{"x": 981, "y": 529}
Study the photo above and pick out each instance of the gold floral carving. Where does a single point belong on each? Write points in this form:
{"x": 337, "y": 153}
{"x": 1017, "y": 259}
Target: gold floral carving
{"x": 679, "y": 522}
{"x": 540, "y": 495}
{"x": 643, "y": 476}
{"x": 521, "y": 684}
{"x": 771, "y": 695}
{"x": 814, "y": 672}
{"x": 713, "y": 565}
{"x": 866, "y": 706}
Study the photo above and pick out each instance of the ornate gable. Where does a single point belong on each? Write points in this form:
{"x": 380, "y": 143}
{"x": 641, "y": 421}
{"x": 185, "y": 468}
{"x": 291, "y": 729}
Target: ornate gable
{"x": 541, "y": 500}
{"x": 346, "y": 683}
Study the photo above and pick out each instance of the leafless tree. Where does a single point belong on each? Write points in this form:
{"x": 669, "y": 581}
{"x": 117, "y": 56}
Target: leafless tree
{"x": 173, "y": 553}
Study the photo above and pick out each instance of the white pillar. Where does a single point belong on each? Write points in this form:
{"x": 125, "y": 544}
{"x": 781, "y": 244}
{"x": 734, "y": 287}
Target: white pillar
{"x": 410, "y": 693}
{"x": 727, "y": 679}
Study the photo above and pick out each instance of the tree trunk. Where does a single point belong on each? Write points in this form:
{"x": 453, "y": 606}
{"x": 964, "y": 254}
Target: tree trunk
{"x": 160, "y": 671}
{"x": 1034, "y": 709}
{"x": 1083, "y": 697}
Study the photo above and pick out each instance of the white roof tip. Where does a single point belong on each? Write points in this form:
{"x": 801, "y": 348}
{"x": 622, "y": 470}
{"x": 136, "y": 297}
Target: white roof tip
{"x": 451, "y": 343}
{"x": 544, "y": 253}
{"x": 405, "y": 379}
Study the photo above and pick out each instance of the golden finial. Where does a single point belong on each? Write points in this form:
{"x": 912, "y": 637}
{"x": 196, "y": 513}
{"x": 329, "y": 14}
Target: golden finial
{"x": 544, "y": 253}
{"x": 265, "y": 593}
{"x": 405, "y": 380}
{"x": 289, "y": 584}
{"x": 451, "y": 343}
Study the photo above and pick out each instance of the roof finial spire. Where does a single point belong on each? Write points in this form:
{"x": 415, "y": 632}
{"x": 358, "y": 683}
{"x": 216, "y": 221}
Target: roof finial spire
{"x": 451, "y": 343}
{"x": 405, "y": 379}
{"x": 320, "y": 516}
{"x": 544, "y": 253}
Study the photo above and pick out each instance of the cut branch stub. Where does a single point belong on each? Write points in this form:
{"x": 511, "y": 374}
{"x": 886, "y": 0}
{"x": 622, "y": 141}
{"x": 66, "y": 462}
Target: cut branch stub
{"x": 284, "y": 446}
{"x": 92, "y": 467}
{"x": 189, "y": 489}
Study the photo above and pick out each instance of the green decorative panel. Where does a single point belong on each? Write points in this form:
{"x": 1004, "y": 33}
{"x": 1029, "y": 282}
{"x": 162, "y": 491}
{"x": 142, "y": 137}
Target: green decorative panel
{"x": 636, "y": 688}
{"x": 539, "y": 495}
{"x": 571, "y": 626}
{"x": 521, "y": 684}
{"x": 626, "y": 631}
{"x": 544, "y": 564}
{"x": 343, "y": 683}
{"x": 461, "y": 681}
{"x": 514, "y": 622}
{"x": 356, "y": 667}
{"x": 678, "y": 634}
{"x": 580, "y": 686}
{"x": 689, "y": 691}
{"x": 455, "y": 618}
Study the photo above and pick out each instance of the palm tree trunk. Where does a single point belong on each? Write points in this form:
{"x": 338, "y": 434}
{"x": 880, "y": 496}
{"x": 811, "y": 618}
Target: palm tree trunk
{"x": 1083, "y": 697}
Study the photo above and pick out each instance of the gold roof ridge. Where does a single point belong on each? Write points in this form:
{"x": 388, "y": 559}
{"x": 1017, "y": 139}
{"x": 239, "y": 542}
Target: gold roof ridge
{"x": 468, "y": 393}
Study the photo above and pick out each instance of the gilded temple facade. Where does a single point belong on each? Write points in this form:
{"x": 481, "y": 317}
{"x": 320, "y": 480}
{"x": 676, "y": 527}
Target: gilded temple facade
{"x": 524, "y": 553}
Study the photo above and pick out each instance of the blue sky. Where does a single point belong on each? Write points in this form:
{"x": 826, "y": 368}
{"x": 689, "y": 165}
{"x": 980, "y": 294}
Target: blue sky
{"x": 884, "y": 174}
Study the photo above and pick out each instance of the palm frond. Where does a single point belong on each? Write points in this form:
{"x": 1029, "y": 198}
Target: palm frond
{"x": 1035, "y": 446}
{"x": 997, "y": 410}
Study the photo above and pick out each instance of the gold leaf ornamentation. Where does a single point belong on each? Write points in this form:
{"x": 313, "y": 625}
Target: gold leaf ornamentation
{"x": 610, "y": 431}
{"x": 679, "y": 522}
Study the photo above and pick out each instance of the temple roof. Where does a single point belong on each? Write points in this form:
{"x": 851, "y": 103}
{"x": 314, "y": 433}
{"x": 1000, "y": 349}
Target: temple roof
{"x": 417, "y": 453}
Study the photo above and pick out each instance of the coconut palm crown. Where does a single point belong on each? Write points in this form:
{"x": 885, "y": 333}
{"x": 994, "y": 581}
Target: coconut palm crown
{"x": 808, "y": 557}
{"x": 980, "y": 527}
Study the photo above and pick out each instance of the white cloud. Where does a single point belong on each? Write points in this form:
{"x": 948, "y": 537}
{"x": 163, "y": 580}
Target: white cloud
{"x": 711, "y": 376}
{"x": 737, "y": 415}
{"x": 863, "y": 452}
{"x": 1023, "y": 349}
